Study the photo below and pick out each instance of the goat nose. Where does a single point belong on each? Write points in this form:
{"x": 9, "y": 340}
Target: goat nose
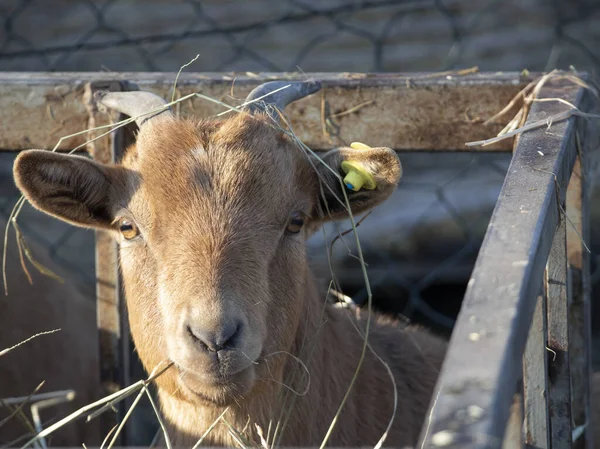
{"x": 215, "y": 340}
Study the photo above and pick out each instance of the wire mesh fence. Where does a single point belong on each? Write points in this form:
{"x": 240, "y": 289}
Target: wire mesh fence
{"x": 310, "y": 35}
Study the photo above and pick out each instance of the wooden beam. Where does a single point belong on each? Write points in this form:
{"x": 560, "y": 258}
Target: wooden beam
{"x": 483, "y": 363}
{"x": 109, "y": 304}
{"x": 578, "y": 240}
{"x": 559, "y": 373}
{"x": 535, "y": 381}
{"x": 405, "y": 112}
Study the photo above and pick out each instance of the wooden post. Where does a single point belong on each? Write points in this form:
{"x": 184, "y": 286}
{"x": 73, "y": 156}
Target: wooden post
{"x": 579, "y": 302}
{"x": 535, "y": 381}
{"x": 559, "y": 374}
{"x": 113, "y": 335}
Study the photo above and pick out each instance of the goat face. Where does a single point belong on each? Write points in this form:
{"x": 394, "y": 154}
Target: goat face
{"x": 211, "y": 217}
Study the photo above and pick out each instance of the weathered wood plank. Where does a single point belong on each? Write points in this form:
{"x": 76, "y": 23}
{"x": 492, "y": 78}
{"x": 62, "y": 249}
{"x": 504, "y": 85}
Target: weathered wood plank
{"x": 405, "y": 112}
{"x": 580, "y": 313}
{"x": 483, "y": 372}
{"x": 559, "y": 389}
{"x": 513, "y": 436}
{"x": 577, "y": 204}
{"x": 108, "y": 298}
{"x": 535, "y": 381}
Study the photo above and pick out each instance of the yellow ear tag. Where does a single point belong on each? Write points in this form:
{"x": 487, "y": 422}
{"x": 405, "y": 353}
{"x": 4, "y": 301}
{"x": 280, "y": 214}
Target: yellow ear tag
{"x": 357, "y": 176}
{"x": 359, "y": 146}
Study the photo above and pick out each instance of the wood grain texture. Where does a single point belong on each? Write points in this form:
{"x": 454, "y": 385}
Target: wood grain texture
{"x": 405, "y": 112}
{"x": 535, "y": 381}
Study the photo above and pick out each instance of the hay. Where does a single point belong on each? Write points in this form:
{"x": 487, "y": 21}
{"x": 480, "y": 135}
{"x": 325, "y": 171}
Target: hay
{"x": 528, "y": 96}
{"x": 105, "y": 403}
{"x": 21, "y": 401}
{"x": 7, "y": 350}
{"x": 516, "y": 125}
{"x": 37, "y": 401}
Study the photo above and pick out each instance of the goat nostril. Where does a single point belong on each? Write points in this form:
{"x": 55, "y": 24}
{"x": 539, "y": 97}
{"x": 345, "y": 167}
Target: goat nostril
{"x": 215, "y": 341}
{"x": 228, "y": 335}
{"x": 191, "y": 333}
{"x": 196, "y": 339}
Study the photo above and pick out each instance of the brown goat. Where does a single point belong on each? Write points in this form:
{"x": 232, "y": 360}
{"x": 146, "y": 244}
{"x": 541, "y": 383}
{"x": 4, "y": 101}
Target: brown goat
{"x": 212, "y": 218}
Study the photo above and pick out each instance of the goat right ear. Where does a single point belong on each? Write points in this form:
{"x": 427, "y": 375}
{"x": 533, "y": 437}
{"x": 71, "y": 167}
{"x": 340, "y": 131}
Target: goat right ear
{"x": 370, "y": 176}
{"x": 71, "y": 188}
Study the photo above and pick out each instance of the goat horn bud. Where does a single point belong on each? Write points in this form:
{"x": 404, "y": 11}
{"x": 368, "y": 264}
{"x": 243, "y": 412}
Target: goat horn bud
{"x": 287, "y": 92}
{"x": 144, "y": 106}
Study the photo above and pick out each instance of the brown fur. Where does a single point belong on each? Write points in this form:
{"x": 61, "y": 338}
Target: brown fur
{"x": 212, "y": 201}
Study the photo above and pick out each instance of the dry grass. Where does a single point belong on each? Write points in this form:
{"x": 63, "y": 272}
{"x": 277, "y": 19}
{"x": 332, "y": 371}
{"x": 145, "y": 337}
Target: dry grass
{"x": 526, "y": 98}
{"x": 15, "y": 405}
{"x": 94, "y": 409}
{"x": 7, "y": 350}
{"x": 516, "y": 126}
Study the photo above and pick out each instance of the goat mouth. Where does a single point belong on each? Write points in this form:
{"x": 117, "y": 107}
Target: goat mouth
{"x": 216, "y": 390}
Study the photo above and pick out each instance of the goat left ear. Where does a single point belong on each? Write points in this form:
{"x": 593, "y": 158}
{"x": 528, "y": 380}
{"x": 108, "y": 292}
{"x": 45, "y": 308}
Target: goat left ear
{"x": 71, "y": 188}
{"x": 369, "y": 176}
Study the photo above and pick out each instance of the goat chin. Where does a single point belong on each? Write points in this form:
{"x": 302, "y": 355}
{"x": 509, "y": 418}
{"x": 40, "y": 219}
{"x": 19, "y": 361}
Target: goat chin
{"x": 216, "y": 389}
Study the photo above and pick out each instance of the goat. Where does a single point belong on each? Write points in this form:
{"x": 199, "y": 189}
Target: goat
{"x": 65, "y": 360}
{"x": 212, "y": 218}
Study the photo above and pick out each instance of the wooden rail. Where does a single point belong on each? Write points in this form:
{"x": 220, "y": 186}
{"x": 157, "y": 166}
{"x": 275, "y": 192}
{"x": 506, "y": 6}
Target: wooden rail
{"x": 525, "y": 250}
{"x": 410, "y": 112}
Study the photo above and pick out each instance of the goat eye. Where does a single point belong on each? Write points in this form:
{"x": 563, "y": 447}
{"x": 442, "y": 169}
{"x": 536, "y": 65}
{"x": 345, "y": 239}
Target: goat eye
{"x": 128, "y": 229}
{"x": 295, "y": 223}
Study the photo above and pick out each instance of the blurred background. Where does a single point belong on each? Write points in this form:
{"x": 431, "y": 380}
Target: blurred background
{"x": 422, "y": 244}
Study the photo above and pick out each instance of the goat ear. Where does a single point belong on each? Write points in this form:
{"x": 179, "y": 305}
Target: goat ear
{"x": 369, "y": 176}
{"x": 71, "y": 188}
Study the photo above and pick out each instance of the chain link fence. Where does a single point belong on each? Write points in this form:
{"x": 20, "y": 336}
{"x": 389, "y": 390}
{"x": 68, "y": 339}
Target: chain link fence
{"x": 290, "y": 35}
{"x": 434, "y": 224}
